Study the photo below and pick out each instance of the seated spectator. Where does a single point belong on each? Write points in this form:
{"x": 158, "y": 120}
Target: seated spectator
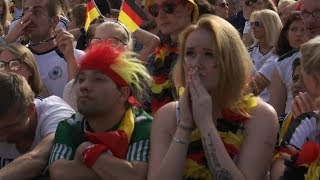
{"x": 300, "y": 144}
{"x": 266, "y": 26}
{"x": 19, "y": 59}
{"x": 119, "y": 35}
{"x": 281, "y": 98}
{"x": 289, "y": 41}
{"x": 27, "y": 128}
{"x": 302, "y": 103}
{"x": 216, "y": 130}
{"x": 105, "y": 145}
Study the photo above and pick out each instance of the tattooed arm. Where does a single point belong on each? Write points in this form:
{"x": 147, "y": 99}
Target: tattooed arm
{"x": 255, "y": 153}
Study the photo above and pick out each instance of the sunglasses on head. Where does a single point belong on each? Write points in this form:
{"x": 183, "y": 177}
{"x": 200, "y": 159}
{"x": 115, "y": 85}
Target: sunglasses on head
{"x": 167, "y": 7}
{"x": 256, "y": 24}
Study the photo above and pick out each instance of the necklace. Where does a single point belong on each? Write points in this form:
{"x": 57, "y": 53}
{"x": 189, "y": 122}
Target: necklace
{"x": 41, "y": 42}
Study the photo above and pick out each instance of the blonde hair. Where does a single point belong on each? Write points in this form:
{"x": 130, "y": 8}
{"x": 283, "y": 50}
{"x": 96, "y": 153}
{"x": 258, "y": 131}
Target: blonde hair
{"x": 310, "y": 56}
{"x": 26, "y": 56}
{"x": 233, "y": 61}
{"x": 271, "y": 23}
{"x": 118, "y": 27}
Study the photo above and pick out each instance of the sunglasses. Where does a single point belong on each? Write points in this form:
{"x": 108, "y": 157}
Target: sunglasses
{"x": 14, "y": 65}
{"x": 256, "y": 24}
{"x": 223, "y": 5}
{"x": 167, "y": 7}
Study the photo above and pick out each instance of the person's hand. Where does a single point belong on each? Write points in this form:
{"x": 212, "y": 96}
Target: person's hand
{"x": 19, "y": 29}
{"x": 302, "y": 103}
{"x": 80, "y": 149}
{"x": 186, "y": 118}
{"x": 64, "y": 41}
{"x": 201, "y": 101}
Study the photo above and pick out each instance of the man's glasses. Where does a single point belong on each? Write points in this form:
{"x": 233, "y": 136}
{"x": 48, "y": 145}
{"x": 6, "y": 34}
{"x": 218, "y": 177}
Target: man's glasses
{"x": 256, "y": 24}
{"x": 223, "y": 5}
{"x": 14, "y": 65}
{"x": 167, "y": 7}
{"x": 306, "y": 14}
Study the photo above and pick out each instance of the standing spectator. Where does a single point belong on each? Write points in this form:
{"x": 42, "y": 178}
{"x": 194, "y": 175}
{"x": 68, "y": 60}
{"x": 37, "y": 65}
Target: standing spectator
{"x": 172, "y": 17}
{"x": 27, "y": 127}
{"x": 52, "y": 48}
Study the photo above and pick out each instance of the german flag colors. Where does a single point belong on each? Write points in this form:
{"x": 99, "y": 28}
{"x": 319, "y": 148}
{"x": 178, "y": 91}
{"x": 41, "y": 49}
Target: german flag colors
{"x": 131, "y": 15}
{"x": 91, "y": 13}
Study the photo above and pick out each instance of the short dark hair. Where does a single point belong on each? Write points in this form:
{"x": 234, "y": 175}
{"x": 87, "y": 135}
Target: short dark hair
{"x": 15, "y": 92}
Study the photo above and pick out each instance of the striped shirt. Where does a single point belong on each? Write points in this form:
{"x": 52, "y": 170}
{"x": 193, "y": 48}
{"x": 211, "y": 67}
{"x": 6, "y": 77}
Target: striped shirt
{"x": 70, "y": 134}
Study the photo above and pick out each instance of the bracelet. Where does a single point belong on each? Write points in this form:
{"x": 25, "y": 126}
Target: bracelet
{"x": 189, "y": 129}
{"x": 179, "y": 141}
{"x": 92, "y": 153}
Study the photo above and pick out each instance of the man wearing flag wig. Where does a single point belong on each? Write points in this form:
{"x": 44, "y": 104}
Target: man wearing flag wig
{"x": 109, "y": 137}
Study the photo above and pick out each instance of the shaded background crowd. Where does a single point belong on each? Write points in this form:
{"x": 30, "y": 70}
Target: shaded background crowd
{"x": 159, "y": 89}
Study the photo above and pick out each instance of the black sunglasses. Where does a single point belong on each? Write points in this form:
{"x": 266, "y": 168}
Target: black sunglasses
{"x": 256, "y": 24}
{"x": 167, "y": 7}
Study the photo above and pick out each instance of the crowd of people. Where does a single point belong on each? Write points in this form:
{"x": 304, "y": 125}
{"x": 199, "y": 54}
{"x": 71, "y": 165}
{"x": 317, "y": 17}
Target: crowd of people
{"x": 203, "y": 89}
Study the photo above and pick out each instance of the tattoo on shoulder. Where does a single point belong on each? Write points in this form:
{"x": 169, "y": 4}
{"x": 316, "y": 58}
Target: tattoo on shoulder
{"x": 217, "y": 172}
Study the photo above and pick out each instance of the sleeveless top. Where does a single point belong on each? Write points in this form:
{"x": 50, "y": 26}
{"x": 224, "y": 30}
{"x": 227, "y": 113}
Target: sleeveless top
{"x": 230, "y": 128}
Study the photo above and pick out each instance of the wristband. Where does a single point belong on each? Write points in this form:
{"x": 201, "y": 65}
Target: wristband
{"x": 180, "y": 141}
{"x": 92, "y": 153}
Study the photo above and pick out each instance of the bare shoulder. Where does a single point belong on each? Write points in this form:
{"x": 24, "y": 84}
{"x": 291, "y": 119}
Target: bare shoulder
{"x": 263, "y": 116}
{"x": 165, "y": 118}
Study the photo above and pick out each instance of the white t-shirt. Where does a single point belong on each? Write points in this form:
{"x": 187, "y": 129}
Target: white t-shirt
{"x": 50, "y": 111}
{"x": 53, "y": 69}
{"x": 284, "y": 67}
{"x": 264, "y": 64}
{"x": 257, "y": 57}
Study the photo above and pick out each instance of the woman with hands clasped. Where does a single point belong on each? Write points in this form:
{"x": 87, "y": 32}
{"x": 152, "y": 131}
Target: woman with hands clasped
{"x": 216, "y": 130}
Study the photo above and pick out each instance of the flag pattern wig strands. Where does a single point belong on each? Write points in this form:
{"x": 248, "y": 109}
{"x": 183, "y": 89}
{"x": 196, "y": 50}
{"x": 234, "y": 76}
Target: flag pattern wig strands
{"x": 131, "y": 15}
{"x": 91, "y": 14}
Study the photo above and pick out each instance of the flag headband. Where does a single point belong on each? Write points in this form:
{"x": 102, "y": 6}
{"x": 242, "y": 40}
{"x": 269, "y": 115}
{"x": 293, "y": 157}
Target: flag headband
{"x": 104, "y": 57}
